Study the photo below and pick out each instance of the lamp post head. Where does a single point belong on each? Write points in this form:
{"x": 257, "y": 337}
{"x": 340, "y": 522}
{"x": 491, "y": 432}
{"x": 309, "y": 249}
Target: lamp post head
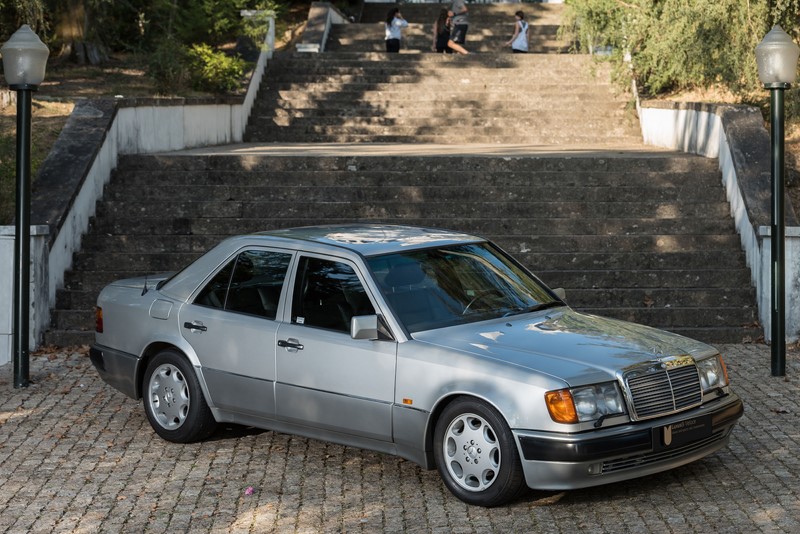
{"x": 776, "y": 56}
{"x": 24, "y": 59}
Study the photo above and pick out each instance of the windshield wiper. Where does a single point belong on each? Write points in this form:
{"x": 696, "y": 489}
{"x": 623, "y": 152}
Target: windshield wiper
{"x": 542, "y": 306}
{"x": 535, "y": 308}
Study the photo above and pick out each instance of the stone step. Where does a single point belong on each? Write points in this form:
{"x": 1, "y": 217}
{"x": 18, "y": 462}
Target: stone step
{"x": 301, "y": 67}
{"x": 478, "y": 11}
{"x": 365, "y": 37}
{"x": 658, "y": 298}
{"x": 85, "y": 299}
{"x": 586, "y": 270}
{"x": 290, "y": 135}
{"x": 302, "y": 113}
{"x": 750, "y": 333}
{"x": 566, "y": 166}
{"x": 477, "y": 91}
{"x": 422, "y": 45}
{"x": 583, "y": 64}
{"x": 430, "y": 109}
{"x": 356, "y": 32}
{"x": 701, "y": 316}
{"x": 363, "y": 174}
{"x": 80, "y": 320}
{"x": 668, "y": 318}
{"x": 441, "y": 210}
{"x": 599, "y": 268}
{"x": 610, "y": 272}
{"x": 130, "y": 228}
{"x": 68, "y": 338}
{"x": 417, "y": 194}
{"x": 474, "y": 93}
{"x": 488, "y": 125}
{"x": 515, "y": 244}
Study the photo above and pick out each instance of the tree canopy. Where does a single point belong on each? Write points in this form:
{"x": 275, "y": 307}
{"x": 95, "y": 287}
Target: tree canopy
{"x": 677, "y": 44}
{"x": 87, "y": 29}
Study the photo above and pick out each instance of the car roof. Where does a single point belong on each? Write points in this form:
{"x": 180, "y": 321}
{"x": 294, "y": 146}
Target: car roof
{"x": 372, "y": 239}
{"x": 362, "y": 239}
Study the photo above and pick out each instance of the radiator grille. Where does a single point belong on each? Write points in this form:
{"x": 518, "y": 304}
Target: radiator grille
{"x": 662, "y": 389}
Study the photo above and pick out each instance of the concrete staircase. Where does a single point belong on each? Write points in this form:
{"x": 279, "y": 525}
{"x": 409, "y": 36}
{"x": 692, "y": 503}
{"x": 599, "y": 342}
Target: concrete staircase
{"x": 642, "y": 237}
{"x": 358, "y": 93}
{"x": 635, "y": 234}
{"x": 346, "y": 97}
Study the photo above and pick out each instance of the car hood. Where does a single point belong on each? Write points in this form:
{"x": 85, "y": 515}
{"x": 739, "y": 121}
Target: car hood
{"x": 574, "y": 347}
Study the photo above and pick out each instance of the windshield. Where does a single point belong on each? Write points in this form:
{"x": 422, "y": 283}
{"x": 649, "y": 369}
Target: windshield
{"x": 456, "y": 285}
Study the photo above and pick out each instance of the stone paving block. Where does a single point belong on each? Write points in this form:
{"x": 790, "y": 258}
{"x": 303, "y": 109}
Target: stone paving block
{"x": 76, "y": 456}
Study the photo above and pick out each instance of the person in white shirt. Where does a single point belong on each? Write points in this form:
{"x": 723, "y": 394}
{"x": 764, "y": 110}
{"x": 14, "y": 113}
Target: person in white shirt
{"x": 394, "y": 24}
{"x": 519, "y": 41}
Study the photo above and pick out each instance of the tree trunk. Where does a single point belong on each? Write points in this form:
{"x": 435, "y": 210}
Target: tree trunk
{"x": 72, "y": 25}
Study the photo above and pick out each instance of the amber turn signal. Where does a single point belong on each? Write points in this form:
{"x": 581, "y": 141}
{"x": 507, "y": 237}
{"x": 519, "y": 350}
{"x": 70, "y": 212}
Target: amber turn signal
{"x": 98, "y": 320}
{"x": 561, "y": 406}
{"x": 724, "y": 370}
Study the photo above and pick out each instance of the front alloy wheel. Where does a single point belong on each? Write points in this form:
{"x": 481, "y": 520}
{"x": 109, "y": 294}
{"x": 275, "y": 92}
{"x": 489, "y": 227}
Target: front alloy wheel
{"x": 476, "y": 454}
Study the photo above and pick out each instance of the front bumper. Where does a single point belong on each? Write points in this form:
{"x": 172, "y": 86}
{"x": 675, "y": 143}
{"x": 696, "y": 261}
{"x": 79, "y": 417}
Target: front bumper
{"x": 117, "y": 369}
{"x": 554, "y": 461}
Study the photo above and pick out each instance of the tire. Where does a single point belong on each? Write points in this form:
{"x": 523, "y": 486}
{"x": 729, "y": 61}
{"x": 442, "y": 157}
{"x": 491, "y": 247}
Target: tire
{"x": 173, "y": 401}
{"x": 476, "y": 454}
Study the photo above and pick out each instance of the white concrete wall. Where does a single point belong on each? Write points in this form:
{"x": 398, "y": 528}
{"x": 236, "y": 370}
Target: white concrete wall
{"x": 702, "y": 132}
{"x": 39, "y": 301}
{"x": 135, "y": 130}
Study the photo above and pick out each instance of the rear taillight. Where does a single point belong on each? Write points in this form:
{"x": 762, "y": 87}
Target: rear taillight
{"x": 98, "y": 320}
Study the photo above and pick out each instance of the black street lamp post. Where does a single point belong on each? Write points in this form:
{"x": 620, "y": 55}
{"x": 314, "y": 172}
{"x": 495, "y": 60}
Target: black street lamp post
{"x": 777, "y": 56}
{"x": 24, "y": 60}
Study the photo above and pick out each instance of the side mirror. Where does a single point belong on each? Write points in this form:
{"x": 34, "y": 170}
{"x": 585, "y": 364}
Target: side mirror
{"x": 369, "y": 327}
{"x": 560, "y": 293}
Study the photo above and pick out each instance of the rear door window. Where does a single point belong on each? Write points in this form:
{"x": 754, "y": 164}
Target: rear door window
{"x": 250, "y": 283}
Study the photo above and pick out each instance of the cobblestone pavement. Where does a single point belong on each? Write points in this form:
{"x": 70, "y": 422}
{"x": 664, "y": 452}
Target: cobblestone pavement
{"x": 76, "y": 456}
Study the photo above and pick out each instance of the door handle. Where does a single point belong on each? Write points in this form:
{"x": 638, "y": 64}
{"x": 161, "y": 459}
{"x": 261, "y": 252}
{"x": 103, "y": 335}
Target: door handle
{"x": 197, "y": 325}
{"x": 290, "y": 344}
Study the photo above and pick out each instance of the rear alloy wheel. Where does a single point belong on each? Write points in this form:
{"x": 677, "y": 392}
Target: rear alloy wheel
{"x": 173, "y": 401}
{"x": 476, "y": 454}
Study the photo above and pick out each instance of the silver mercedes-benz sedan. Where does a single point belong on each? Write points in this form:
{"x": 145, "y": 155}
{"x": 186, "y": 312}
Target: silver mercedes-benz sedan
{"x": 428, "y": 344}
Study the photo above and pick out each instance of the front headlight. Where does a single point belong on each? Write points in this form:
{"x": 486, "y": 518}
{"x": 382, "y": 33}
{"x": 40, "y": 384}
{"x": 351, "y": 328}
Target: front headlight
{"x": 713, "y": 373}
{"x": 585, "y": 403}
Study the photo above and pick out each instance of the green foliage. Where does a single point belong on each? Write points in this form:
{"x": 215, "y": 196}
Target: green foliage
{"x": 7, "y": 176}
{"x": 675, "y": 44}
{"x": 256, "y": 27}
{"x": 15, "y": 13}
{"x": 167, "y": 66}
{"x": 214, "y": 71}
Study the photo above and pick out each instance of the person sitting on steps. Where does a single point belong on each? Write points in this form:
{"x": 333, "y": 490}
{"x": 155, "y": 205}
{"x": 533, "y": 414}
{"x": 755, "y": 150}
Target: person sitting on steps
{"x": 441, "y": 32}
{"x": 460, "y": 24}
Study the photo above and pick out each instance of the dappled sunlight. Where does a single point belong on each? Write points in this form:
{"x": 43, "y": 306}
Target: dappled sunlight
{"x": 668, "y": 211}
{"x": 19, "y": 413}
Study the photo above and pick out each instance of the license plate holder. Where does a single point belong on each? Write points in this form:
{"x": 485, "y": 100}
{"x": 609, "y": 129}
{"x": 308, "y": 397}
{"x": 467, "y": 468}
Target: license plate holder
{"x": 681, "y": 433}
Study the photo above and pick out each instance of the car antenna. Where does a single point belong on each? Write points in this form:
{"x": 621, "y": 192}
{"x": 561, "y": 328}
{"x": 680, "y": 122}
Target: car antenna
{"x": 144, "y": 289}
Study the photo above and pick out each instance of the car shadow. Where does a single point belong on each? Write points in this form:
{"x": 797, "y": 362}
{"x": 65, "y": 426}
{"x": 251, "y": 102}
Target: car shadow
{"x": 229, "y": 431}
